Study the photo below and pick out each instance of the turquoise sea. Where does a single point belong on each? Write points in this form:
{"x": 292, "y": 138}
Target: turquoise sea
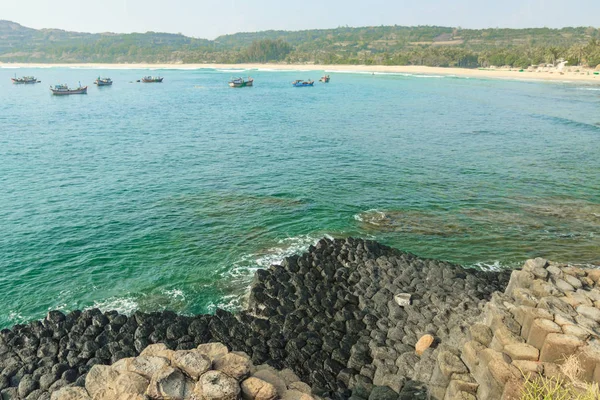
{"x": 154, "y": 196}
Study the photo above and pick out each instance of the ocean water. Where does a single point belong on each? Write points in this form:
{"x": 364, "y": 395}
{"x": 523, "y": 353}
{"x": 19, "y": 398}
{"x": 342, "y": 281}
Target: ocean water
{"x": 170, "y": 196}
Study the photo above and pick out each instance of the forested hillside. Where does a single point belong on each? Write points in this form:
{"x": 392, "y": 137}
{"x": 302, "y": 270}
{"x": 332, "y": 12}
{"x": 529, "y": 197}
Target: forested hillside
{"x": 386, "y": 45}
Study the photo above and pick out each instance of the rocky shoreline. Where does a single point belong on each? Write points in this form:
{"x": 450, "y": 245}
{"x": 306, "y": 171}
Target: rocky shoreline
{"x": 344, "y": 316}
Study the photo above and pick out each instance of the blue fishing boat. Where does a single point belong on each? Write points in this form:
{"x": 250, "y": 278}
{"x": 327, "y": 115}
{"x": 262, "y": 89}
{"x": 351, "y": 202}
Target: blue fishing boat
{"x": 103, "y": 81}
{"x": 301, "y": 83}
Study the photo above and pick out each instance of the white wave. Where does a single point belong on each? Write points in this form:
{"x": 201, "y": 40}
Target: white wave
{"x": 229, "y": 302}
{"x": 175, "y": 294}
{"x": 372, "y": 216}
{"x": 124, "y": 305}
{"x": 231, "y": 70}
{"x": 589, "y": 89}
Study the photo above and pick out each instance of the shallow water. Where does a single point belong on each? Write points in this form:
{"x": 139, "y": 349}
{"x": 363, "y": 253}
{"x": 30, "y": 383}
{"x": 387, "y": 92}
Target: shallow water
{"x": 153, "y": 196}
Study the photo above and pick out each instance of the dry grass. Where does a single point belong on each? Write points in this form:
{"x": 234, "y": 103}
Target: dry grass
{"x": 569, "y": 388}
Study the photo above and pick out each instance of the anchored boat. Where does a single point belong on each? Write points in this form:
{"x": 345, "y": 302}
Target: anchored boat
{"x": 152, "y": 79}
{"x": 61, "y": 90}
{"x": 103, "y": 81}
{"x": 240, "y": 82}
{"x": 24, "y": 80}
{"x": 301, "y": 83}
{"x": 325, "y": 79}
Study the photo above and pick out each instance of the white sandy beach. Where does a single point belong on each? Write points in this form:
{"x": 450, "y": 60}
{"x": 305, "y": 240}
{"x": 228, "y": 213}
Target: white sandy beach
{"x": 568, "y": 75}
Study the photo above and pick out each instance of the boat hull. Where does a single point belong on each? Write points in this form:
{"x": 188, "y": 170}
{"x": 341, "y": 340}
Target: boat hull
{"x": 303, "y": 84}
{"x": 100, "y": 83}
{"x": 21, "y": 82}
{"x": 68, "y": 92}
{"x": 152, "y": 80}
{"x": 240, "y": 84}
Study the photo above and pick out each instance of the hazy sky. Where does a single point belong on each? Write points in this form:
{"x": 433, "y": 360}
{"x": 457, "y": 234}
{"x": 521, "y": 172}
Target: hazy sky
{"x": 210, "y": 18}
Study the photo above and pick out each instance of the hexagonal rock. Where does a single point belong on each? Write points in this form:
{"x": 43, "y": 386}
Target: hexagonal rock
{"x": 502, "y": 371}
{"x": 519, "y": 279}
{"x": 558, "y": 346}
{"x": 192, "y": 363}
{"x": 169, "y": 383}
{"x": 123, "y": 364}
{"x": 564, "y": 286}
{"x": 575, "y": 299}
{"x": 213, "y": 350}
{"x": 257, "y": 389}
{"x": 158, "y": 350}
{"x": 300, "y": 386}
{"x": 295, "y": 395}
{"x": 525, "y": 297}
{"x": 522, "y": 351}
{"x": 273, "y": 378}
{"x": 589, "y": 359}
{"x": 215, "y": 385}
{"x": 576, "y": 330}
{"x": 148, "y": 365}
{"x": 594, "y": 274}
{"x": 450, "y": 364}
{"x": 423, "y": 344}
{"x": 528, "y": 368}
{"x": 236, "y": 366}
{"x": 98, "y": 377}
{"x": 470, "y": 354}
{"x": 504, "y": 337}
{"x": 288, "y": 376}
{"x": 571, "y": 280}
{"x": 540, "y": 328}
{"x": 589, "y": 312}
{"x": 71, "y": 393}
{"x": 131, "y": 383}
{"x": 481, "y": 333}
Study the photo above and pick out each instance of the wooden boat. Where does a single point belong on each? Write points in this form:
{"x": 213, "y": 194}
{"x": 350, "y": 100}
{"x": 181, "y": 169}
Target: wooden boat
{"x": 103, "y": 81}
{"x": 24, "y": 80}
{"x": 152, "y": 79}
{"x": 301, "y": 83}
{"x": 240, "y": 82}
{"x": 62, "y": 90}
{"x": 325, "y": 79}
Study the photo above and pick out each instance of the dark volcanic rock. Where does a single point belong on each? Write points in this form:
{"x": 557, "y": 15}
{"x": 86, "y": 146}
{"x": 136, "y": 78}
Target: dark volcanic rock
{"x": 328, "y": 314}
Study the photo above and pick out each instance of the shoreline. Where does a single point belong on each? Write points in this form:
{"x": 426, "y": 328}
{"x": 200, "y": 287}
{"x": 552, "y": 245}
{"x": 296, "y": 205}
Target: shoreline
{"x": 587, "y": 76}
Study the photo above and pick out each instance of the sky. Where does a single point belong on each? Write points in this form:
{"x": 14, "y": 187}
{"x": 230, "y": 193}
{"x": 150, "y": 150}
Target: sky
{"x": 211, "y": 18}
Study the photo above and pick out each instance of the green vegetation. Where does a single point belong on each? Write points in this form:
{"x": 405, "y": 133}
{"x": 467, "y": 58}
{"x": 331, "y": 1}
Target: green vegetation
{"x": 568, "y": 387}
{"x": 382, "y": 45}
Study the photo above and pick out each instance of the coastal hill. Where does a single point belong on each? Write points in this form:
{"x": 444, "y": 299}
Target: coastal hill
{"x": 383, "y": 45}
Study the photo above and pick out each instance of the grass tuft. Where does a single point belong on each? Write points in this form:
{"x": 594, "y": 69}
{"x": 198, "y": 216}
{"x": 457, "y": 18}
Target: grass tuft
{"x": 569, "y": 388}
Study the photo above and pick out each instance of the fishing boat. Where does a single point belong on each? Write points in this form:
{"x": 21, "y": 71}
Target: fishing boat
{"x": 325, "y": 79}
{"x": 240, "y": 82}
{"x": 152, "y": 79}
{"x": 103, "y": 81}
{"x": 24, "y": 80}
{"x": 63, "y": 89}
{"x": 301, "y": 83}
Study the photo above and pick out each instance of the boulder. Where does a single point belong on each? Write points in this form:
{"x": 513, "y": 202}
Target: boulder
{"x": 131, "y": 383}
{"x": 215, "y": 385}
{"x": 273, "y": 378}
{"x": 213, "y": 350}
{"x": 257, "y": 389}
{"x": 71, "y": 393}
{"x": 158, "y": 350}
{"x": 99, "y": 377}
{"x": 148, "y": 365}
{"x": 558, "y": 346}
{"x": 193, "y": 363}
{"x": 236, "y": 366}
{"x": 295, "y": 395}
{"x": 169, "y": 383}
